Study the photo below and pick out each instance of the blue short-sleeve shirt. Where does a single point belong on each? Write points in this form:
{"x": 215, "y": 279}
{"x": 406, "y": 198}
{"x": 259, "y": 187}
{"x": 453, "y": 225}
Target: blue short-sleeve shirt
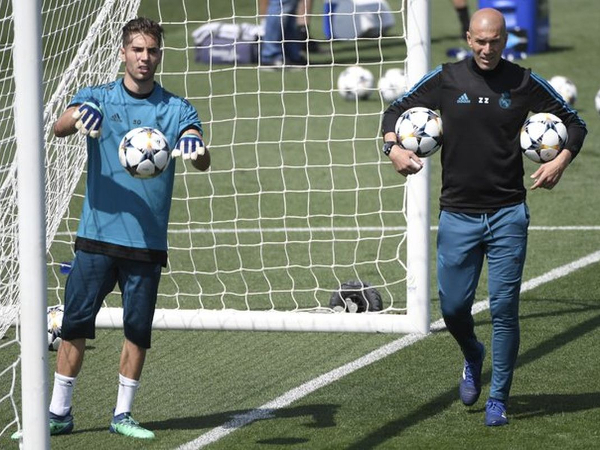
{"x": 118, "y": 208}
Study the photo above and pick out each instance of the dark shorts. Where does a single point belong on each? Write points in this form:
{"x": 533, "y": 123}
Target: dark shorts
{"x": 92, "y": 277}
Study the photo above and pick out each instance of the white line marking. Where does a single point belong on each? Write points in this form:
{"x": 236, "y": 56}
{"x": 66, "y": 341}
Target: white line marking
{"x": 265, "y": 411}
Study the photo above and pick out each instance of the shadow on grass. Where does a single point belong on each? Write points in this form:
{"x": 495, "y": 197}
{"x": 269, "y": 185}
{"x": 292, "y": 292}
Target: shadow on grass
{"x": 523, "y": 406}
{"x": 526, "y": 408}
{"x": 319, "y": 416}
{"x": 576, "y": 308}
{"x": 283, "y": 441}
{"x": 323, "y": 415}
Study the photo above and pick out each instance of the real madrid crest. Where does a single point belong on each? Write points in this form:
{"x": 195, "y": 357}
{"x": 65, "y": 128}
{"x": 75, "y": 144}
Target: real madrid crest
{"x": 505, "y": 100}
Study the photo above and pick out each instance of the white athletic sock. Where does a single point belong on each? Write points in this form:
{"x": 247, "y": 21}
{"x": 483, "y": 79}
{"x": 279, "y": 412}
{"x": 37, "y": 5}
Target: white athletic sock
{"x": 62, "y": 394}
{"x": 127, "y": 388}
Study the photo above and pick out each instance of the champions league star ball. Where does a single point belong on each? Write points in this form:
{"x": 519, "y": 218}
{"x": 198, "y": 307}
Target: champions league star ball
{"x": 565, "y": 87}
{"x": 543, "y": 136}
{"x": 55, "y": 317}
{"x": 420, "y": 130}
{"x": 392, "y": 85}
{"x": 144, "y": 152}
{"x": 355, "y": 82}
{"x": 597, "y": 102}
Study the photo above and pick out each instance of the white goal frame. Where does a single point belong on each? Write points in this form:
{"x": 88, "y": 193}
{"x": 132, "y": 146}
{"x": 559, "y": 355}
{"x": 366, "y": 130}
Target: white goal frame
{"x": 32, "y": 231}
{"x": 32, "y": 234}
{"x": 417, "y": 316}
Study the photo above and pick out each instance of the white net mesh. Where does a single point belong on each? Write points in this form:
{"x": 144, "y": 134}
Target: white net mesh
{"x": 80, "y": 43}
{"x": 298, "y": 199}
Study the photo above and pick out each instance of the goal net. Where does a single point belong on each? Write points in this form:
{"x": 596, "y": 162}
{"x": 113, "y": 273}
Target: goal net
{"x": 299, "y": 198}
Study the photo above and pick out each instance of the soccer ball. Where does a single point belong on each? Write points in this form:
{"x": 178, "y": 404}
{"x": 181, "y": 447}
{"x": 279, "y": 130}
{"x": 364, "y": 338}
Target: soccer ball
{"x": 355, "y": 82}
{"x": 392, "y": 85}
{"x": 55, "y": 317}
{"x": 420, "y": 130}
{"x": 597, "y": 101}
{"x": 144, "y": 152}
{"x": 543, "y": 136}
{"x": 565, "y": 87}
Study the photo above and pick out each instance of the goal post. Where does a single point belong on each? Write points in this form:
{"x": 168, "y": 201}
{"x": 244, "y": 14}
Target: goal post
{"x": 299, "y": 199}
{"x": 414, "y": 317}
{"x": 27, "y": 58}
{"x": 236, "y": 320}
{"x": 418, "y": 224}
{"x": 274, "y": 265}
{"x": 45, "y": 56}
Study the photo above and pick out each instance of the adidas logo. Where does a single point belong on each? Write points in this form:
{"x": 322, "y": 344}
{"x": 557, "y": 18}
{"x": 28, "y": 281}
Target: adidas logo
{"x": 463, "y": 99}
{"x": 115, "y": 117}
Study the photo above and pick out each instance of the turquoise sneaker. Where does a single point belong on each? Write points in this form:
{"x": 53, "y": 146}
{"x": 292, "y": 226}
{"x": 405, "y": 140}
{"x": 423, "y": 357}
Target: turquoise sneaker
{"x": 58, "y": 425}
{"x": 61, "y": 424}
{"x": 125, "y": 424}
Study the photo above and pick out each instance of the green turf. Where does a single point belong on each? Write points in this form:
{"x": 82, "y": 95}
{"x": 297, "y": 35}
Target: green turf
{"x": 196, "y": 381}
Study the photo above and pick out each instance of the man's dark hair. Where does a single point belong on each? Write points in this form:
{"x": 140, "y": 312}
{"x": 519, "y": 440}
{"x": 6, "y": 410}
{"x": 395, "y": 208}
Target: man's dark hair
{"x": 142, "y": 25}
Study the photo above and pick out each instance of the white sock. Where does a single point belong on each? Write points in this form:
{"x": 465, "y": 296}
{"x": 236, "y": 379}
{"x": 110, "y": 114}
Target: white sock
{"x": 62, "y": 394}
{"x": 127, "y": 388}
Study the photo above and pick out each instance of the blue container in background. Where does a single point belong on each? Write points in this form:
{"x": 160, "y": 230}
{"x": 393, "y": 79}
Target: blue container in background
{"x": 527, "y": 22}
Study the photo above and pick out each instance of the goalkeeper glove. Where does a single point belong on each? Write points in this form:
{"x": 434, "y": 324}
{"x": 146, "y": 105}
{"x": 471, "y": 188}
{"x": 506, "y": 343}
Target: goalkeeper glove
{"x": 89, "y": 118}
{"x": 189, "y": 146}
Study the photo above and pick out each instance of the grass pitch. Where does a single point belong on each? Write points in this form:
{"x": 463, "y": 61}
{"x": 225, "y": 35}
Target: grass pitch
{"x": 194, "y": 382}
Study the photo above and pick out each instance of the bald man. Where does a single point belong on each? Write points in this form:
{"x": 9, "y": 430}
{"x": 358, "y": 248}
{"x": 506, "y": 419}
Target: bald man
{"x": 483, "y": 101}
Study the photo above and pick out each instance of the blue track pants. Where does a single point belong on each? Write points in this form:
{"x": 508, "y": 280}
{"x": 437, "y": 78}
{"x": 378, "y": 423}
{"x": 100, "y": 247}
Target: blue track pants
{"x": 463, "y": 241}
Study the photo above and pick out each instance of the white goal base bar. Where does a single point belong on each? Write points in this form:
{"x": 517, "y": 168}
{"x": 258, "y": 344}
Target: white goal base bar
{"x": 178, "y": 319}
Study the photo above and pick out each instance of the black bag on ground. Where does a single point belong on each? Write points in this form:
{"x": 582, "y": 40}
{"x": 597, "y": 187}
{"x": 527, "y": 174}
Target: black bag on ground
{"x": 356, "y": 296}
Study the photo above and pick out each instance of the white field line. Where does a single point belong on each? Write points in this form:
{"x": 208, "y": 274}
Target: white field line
{"x": 267, "y": 410}
{"x": 176, "y": 230}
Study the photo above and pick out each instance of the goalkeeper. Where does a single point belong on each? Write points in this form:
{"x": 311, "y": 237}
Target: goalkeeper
{"x": 122, "y": 235}
{"x": 484, "y": 100}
